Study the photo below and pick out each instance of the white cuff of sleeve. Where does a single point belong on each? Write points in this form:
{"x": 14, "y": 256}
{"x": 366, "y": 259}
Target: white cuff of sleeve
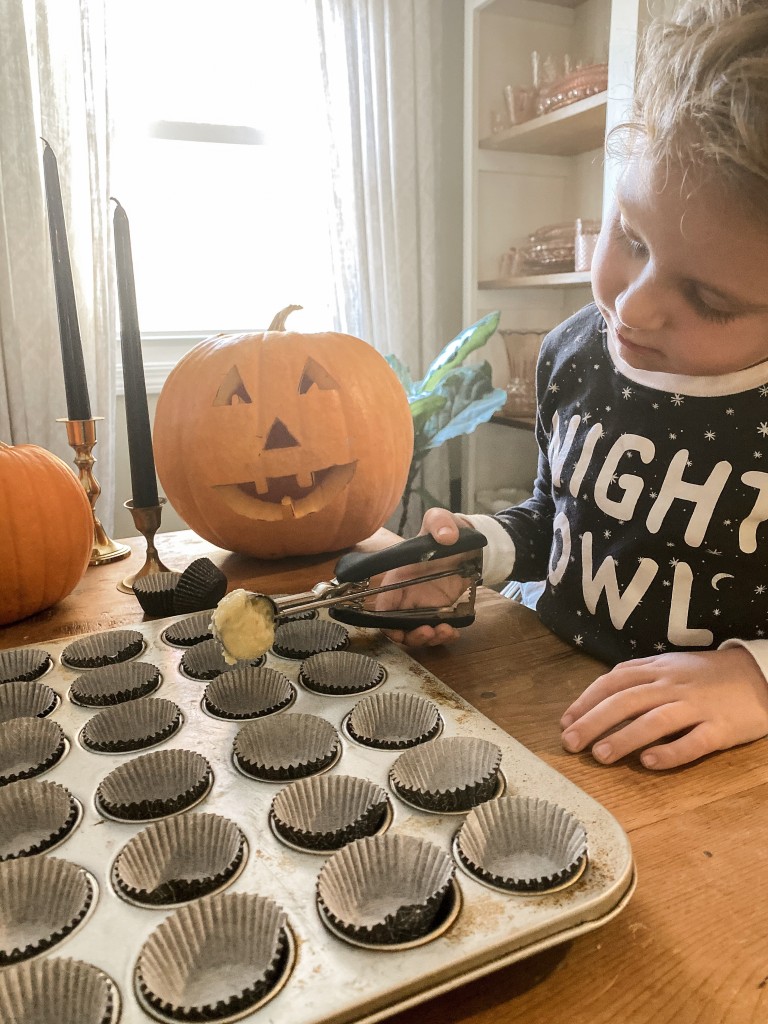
{"x": 757, "y": 648}
{"x": 499, "y": 555}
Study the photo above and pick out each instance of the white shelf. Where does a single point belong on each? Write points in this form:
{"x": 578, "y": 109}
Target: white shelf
{"x": 571, "y": 280}
{"x": 576, "y": 128}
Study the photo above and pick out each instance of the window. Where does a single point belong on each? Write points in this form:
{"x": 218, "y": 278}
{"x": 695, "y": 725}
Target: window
{"x": 221, "y": 161}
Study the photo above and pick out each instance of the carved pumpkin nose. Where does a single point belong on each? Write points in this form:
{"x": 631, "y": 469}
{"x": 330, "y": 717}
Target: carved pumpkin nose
{"x": 279, "y": 436}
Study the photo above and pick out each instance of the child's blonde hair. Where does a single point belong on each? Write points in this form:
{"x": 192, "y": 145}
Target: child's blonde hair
{"x": 701, "y": 97}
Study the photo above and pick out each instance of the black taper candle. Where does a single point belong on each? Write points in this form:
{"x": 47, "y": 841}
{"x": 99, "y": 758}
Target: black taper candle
{"x": 75, "y": 383}
{"x": 141, "y": 456}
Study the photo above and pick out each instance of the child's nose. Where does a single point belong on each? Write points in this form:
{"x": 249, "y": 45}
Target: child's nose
{"x": 640, "y": 306}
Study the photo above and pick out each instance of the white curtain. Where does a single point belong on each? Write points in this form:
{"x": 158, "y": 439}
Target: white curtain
{"x": 392, "y": 72}
{"x": 53, "y": 85}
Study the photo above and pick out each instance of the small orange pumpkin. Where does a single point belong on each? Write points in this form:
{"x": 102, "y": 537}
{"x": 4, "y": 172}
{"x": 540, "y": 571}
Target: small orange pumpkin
{"x": 281, "y": 443}
{"x": 47, "y": 533}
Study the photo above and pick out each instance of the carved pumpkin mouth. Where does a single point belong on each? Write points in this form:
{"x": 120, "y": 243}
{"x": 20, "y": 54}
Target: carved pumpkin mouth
{"x": 283, "y": 497}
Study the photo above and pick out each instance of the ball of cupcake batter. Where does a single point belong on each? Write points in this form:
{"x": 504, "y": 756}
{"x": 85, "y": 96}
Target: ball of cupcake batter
{"x": 244, "y": 625}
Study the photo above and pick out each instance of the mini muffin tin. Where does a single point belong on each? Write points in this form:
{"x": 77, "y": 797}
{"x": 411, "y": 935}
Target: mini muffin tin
{"x": 151, "y": 882}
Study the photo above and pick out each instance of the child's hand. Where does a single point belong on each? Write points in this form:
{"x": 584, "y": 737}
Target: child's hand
{"x": 444, "y": 527}
{"x": 717, "y": 699}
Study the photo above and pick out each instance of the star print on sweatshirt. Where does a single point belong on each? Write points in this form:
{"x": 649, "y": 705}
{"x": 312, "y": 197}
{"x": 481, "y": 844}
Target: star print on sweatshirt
{"x": 648, "y": 518}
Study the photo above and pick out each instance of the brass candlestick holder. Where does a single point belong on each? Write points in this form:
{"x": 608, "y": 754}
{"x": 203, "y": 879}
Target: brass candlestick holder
{"x": 147, "y": 522}
{"x": 81, "y": 435}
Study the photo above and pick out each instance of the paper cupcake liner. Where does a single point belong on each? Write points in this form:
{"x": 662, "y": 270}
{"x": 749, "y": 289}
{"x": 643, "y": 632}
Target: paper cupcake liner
{"x": 328, "y": 811}
{"x": 42, "y": 899}
{"x": 188, "y": 632}
{"x": 340, "y": 673}
{"x": 522, "y": 844}
{"x": 28, "y": 747}
{"x": 214, "y": 958}
{"x": 286, "y": 746}
{"x": 201, "y": 586}
{"x": 34, "y": 816}
{"x": 206, "y": 661}
{"x": 132, "y": 726}
{"x": 179, "y": 859}
{"x": 299, "y": 640}
{"x": 23, "y": 664}
{"x": 58, "y": 990}
{"x": 447, "y": 774}
{"x": 103, "y": 649}
{"x": 115, "y": 684}
{"x": 393, "y": 721}
{"x": 154, "y": 785}
{"x": 155, "y": 591}
{"x": 26, "y": 700}
{"x": 248, "y": 692}
{"x": 385, "y": 889}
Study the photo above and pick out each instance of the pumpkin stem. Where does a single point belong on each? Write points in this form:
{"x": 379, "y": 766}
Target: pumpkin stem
{"x": 278, "y": 321}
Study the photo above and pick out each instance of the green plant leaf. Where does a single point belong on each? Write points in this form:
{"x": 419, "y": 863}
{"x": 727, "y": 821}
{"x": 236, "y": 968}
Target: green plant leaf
{"x": 403, "y": 374}
{"x": 456, "y": 351}
{"x": 471, "y": 399}
{"x": 424, "y": 406}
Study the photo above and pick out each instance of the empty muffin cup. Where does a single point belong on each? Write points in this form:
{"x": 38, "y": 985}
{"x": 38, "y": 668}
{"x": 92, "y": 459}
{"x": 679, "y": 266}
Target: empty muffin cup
{"x": 201, "y": 586}
{"x": 393, "y": 721}
{"x": 340, "y": 673}
{"x": 522, "y": 844}
{"x": 287, "y": 746}
{"x": 58, "y": 990}
{"x": 28, "y": 747}
{"x": 206, "y": 661}
{"x": 179, "y": 859}
{"x": 325, "y": 812}
{"x": 215, "y": 959}
{"x": 42, "y": 900}
{"x": 248, "y": 692}
{"x": 26, "y": 700}
{"x": 23, "y": 664}
{"x": 132, "y": 726}
{"x": 154, "y": 785}
{"x": 115, "y": 684}
{"x": 448, "y": 774}
{"x": 34, "y": 816}
{"x": 103, "y": 649}
{"x": 154, "y": 592}
{"x": 299, "y": 640}
{"x": 386, "y": 890}
{"x": 188, "y": 632}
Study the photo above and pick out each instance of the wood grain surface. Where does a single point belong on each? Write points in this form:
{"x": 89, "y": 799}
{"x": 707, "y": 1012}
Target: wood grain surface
{"x": 691, "y": 947}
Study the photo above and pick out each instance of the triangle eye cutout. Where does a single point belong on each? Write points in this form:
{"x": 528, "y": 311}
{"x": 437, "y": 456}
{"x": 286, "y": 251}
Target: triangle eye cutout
{"x": 232, "y": 390}
{"x": 279, "y": 436}
{"x": 315, "y": 374}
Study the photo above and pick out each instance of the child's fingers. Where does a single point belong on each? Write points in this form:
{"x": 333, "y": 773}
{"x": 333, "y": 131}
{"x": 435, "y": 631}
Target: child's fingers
{"x": 441, "y": 524}
{"x": 617, "y": 708}
{"x": 690, "y": 747}
{"x": 649, "y": 727}
{"x": 623, "y": 677}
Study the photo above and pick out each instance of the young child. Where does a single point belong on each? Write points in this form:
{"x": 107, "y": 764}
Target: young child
{"x": 649, "y": 518}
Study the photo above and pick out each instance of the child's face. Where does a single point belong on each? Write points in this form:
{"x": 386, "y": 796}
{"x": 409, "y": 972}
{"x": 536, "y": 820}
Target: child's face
{"x": 682, "y": 282}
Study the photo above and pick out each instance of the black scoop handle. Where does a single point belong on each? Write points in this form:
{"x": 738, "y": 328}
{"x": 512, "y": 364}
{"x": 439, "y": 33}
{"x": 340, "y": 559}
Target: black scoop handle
{"x": 355, "y": 567}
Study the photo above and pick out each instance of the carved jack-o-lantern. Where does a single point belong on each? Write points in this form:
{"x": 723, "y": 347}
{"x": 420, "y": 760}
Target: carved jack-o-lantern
{"x": 283, "y": 443}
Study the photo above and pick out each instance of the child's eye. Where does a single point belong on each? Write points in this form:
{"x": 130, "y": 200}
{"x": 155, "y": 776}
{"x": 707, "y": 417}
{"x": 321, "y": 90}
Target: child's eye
{"x": 635, "y": 246}
{"x": 706, "y": 312}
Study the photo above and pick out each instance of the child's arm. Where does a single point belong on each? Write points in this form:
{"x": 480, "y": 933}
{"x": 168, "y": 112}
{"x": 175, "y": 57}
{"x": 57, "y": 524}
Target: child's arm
{"x": 678, "y": 707}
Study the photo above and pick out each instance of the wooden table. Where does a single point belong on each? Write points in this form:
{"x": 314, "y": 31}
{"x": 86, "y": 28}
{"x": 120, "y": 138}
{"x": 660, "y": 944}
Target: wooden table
{"x": 691, "y": 947}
